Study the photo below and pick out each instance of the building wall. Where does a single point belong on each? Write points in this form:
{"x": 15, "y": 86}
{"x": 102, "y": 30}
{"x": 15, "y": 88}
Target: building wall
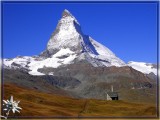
{"x": 108, "y": 97}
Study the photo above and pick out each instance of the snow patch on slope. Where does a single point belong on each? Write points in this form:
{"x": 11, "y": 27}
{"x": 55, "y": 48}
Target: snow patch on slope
{"x": 33, "y": 64}
{"x": 63, "y": 52}
{"x": 22, "y": 61}
{"x": 143, "y": 67}
{"x": 53, "y": 62}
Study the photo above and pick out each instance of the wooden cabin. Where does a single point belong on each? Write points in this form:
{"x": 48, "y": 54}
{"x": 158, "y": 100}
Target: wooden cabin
{"x": 112, "y": 95}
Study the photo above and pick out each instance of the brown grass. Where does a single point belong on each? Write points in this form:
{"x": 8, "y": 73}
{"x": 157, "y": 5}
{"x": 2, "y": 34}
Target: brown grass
{"x": 36, "y": 103}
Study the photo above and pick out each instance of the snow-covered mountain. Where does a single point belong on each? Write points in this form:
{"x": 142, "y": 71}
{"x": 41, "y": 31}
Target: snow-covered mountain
{"x": 143, "y": 67}
{"x": 68, "y": 35}
{"x": 67, "y": 45}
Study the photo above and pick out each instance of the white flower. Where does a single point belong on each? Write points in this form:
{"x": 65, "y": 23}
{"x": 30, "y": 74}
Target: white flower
{"x": 3, "y": 117}
{"x": 11, "y": 105}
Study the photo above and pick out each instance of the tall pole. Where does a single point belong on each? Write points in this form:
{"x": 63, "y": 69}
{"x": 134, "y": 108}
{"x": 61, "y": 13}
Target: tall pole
{"x": 111, "y": 88}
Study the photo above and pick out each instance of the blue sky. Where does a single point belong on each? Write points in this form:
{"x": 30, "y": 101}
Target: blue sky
{"x": 127, "y": 29}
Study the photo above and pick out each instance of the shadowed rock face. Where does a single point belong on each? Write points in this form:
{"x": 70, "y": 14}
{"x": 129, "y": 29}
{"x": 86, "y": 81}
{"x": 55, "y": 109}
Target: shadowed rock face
{"x": 152, "y": 76}
{"x": 95, "y": 81}
{"x": 100, "y": 73}
{"x": 47, "y": 84}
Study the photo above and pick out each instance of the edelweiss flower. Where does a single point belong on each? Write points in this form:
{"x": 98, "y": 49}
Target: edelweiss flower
{"x": 11, "y": 105}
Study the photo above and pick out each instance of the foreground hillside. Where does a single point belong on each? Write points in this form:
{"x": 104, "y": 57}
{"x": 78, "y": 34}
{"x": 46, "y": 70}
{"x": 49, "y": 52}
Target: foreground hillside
{"x": 44, "y": 104}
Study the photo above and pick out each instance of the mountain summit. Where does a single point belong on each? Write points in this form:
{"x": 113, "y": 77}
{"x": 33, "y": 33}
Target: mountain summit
{"x": 69, "y": 35}
{"x": 66, "y": 35}
{"x": 66, "y": 13}
{"x": 67, "y": 45}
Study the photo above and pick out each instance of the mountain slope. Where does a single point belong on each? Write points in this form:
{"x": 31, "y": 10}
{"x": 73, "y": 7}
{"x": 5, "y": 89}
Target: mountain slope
{"x": 82, "y": 80}
{"x": 95, "y": 81}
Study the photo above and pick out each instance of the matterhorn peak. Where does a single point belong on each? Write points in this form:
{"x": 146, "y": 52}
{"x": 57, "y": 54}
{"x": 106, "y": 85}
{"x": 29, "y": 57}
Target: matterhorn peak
{"x": 68, "y": 36}
{"x": 68, "y": 16}
{"x": 66, "y": 13}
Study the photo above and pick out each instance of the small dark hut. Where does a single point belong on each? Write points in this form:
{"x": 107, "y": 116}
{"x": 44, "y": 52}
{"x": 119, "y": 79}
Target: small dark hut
{"x": 113, "y": 95}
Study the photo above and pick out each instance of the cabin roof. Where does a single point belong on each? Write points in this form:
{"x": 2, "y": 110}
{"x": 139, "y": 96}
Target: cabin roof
{"x": 113, "y": 94}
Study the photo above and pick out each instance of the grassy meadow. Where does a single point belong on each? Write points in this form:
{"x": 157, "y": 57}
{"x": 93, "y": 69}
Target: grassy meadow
{"x": 37, "y": 104}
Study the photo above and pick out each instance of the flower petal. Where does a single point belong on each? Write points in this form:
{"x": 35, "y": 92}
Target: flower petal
{"x": 17, "y": 110}
{"x": 5, "y": 109}
{"x": 13, "y": 110}
{"x": 5, "y": 101}
{"x": 3, "y": 117}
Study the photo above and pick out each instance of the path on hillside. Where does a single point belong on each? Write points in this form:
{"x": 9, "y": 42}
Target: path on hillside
{"x": 84, "y": 108}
